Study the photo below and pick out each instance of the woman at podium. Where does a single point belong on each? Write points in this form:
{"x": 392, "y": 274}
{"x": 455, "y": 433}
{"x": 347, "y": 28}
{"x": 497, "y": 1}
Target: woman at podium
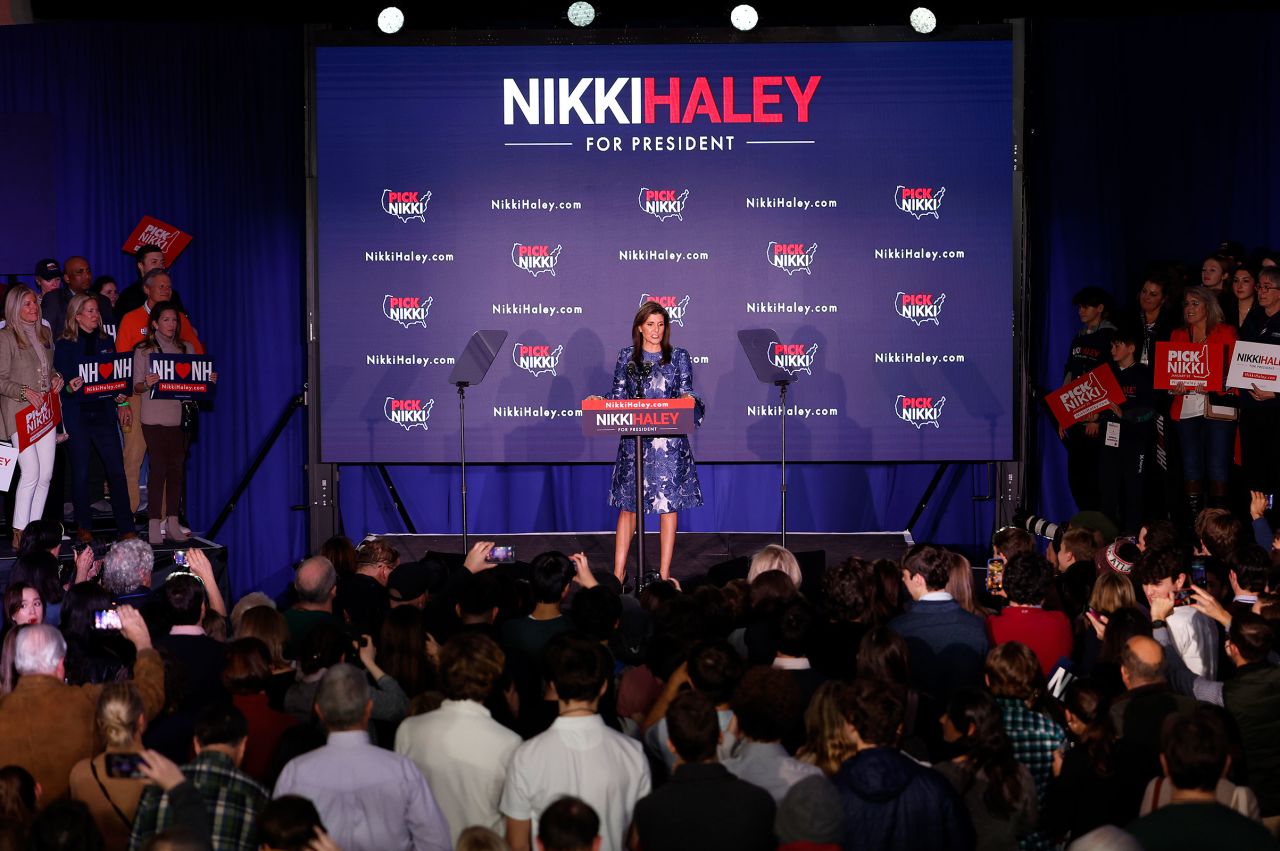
{"x": 651, "y": 369}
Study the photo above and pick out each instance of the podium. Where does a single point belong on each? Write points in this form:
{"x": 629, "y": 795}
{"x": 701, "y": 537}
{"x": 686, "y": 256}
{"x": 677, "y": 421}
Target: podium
{"x": 637, "y": 419}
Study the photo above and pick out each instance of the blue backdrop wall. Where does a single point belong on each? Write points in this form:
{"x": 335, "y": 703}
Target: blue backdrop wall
{"x": 1152, "y": 140}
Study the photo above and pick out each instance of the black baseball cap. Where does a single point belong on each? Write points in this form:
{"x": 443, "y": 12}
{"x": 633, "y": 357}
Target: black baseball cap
{"x": 48, "y": 269}
{"x": 411, "y": 580}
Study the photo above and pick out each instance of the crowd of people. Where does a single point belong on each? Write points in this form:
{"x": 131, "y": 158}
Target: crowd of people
{"x": 67, "y": 320}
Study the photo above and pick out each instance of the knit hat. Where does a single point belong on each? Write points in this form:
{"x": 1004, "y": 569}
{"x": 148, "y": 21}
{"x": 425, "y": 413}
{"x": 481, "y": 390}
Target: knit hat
{"x": 811, "y": 811}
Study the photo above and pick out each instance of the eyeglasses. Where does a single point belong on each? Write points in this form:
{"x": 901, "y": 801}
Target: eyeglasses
{"x": 1266, "y": 288}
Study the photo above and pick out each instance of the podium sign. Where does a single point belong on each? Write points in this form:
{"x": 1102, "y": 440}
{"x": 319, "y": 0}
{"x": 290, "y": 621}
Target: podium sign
{"x": 632, "y": 417}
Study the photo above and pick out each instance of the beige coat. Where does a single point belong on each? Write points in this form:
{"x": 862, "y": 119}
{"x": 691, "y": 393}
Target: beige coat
{"x": 18, "y": 367}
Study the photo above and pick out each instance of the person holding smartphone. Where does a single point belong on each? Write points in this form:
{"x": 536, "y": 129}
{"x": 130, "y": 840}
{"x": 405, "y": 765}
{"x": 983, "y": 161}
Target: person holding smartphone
{"x": 111, "y": 783}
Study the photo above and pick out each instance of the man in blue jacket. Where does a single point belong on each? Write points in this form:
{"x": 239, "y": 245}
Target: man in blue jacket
{"x": 892, "y": 802}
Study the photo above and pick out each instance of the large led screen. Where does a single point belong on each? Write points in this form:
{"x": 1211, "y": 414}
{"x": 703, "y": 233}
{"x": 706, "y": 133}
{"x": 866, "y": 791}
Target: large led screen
{"x": 855, "y": 197}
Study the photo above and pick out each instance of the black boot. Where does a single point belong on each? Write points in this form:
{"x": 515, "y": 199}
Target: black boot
{"x": 1195, "y": 501}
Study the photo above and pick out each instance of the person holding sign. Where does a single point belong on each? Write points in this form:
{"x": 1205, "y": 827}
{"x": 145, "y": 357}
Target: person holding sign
{"x": 1206, "y": 422}
{"x": 162, "y": 423}
{"x": 1259, "y": 407}
{"x": 650, "y": 368}
{"x": 27, "y": 377}
{"x": 1128, "y": 433}
{"x": 91, "y": 417}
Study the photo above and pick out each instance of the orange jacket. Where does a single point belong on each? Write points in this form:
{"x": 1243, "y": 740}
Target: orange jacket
{"x": 133, "y": 330}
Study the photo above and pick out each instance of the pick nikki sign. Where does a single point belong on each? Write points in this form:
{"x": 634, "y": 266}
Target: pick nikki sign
{"x": 182, "y": 376}
{"x": 1190, "y": 366}
{"x": 107, "y": 375}
{"x": 34, "y": 422}
{"x": 151, "y": 231}
{"x": 1088, "y": 394}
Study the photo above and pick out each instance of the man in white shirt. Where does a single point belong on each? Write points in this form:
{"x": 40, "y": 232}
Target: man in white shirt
{"x": 459, "y": 748}
{"x": 578, "y": 755}
{"x": 372, "y": 799}
{"x": 1163, "y": 576}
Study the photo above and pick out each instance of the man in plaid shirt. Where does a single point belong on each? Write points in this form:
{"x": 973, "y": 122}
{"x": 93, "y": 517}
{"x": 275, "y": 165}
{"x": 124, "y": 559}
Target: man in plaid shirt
{"x": 232, "y": 798}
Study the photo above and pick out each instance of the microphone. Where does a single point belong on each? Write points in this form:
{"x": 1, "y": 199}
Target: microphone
{"x": 638, "y": 373}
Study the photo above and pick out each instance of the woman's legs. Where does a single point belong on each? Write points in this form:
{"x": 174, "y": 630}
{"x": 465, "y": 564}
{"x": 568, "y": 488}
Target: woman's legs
{"x": 1192, "y": 439}
{"x": 666, "y": 542}
{"x": 1219, "y": 449}
{"x": 622, "y": 542}
{"x": 36, "y": 463}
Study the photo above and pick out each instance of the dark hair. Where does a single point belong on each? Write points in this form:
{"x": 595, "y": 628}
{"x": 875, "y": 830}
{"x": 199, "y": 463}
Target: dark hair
{"x": 579, "y": 667}
{"x": 288, "y": 823}
{"x": 770, "y": 591}
{"x": 1158, "y": 565}
{"x": 715, "y": 609}
{"x": 930, "y": 562}
{"x": 1251, "y": 565}
{"x": 768, "y": 703}
{"x": 247, "y": 669}
{"x": 889, "y": 577}
{"x": 1088, "y": 702}
{"x": 596, "y": 612}
{"x": 569, "y": 824}
{"x": 1026, "y": 579}
{"x": 715, "y": 669}
{"x": 79, "y": 605}
{"x": 151, "y": 340}
{"x": 1220, "y": 531}
{"x": 552, "y": 573}
{"x": 1252, "y": 636}
{"x": 40, "y": 536}
{"x": 144, "y": 250}
{"x": 479, "y": 594}
{"x": 650, "y": 308}
{"x": 402, "y": 650}
{"x": 1129, "y": 332}
{"x": 17, "y": 795}
{"x": 220, "y": 724}
{"x": 883, "y": 656}
{"x": 66, "y": 825}
{"x": 796, "y": 628}
{"x": 876, "y": 712}
{"x": 100, "y": 282}
{"x": 183, "y": 596}
{"x": 1092, "y": 297}
{"x": 41, "y": 570}
{"x": 1012, "y": 540}
{"x": 990, "y": 755}
{"x": 849, "y": 591}
{"x": 340, "y": 553}
{"x": 1122, "y": 625}
{"x": 325, "y": 645}
{"x": 1194, "y": 746}
{"x": 1013, "y": 671}
{"x": 13, "y": 599}
{"x": 470, "y": 663}
{"x": 1162, "y": 534}
{"x": 693, "y": 726}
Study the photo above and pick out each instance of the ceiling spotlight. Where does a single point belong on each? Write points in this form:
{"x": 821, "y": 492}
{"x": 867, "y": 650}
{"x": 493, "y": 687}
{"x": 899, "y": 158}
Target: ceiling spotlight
{"x": 744, "y": 17}
{"x": 923, "y": 20}
{"x": 582, "y": 13}
{"x": 390, "y": 20}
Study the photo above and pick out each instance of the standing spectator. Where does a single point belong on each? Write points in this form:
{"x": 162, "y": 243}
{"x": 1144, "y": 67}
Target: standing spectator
{"x": 578, "y": 755}
{"x": 27, "y": 377}
{"x": 1215, "y": 272}
{"x": 1090, "y": 348}
{"x": 766, "y": 707}
{"x": 362, "y": 597}
{"x": 201, "y": 657}
{"x": 459, "y": 748}
{"x": 947, "y": 643}
{"x": 1154, "y": 314}
{"x": 246, "y": 675}
{"x": 891, "y": 801}
{"x": 147, "y": 259}
{"x": 1148, "y": 699}
{"x": 1013, "y": 675}
{"x": 1239, "y": 303}
{"x": 113, "y": 800}
{"x": 91, "y": 421}
{"x": 829, "y": 742}
{"x": 79, "y": 279}
{"x": 1122, "y": 467}
{"x": 569, "y": 824}
{"x": 316, "y": 583}
{"x": 1260, "y": 408}
{"x": 47, "y": 726}
{"x": 1048, "y": 634}
{"x": 997, "y": 790}
{"x": 232, "y": 798}
{"x": 373, "y": 800}
{"x": 1163, "y": 576}
{"x": 703, "y": 807}
{"x": 53, "y": 307}
{"x": 1194, "y": 756}
{"x": 107, "y": 287}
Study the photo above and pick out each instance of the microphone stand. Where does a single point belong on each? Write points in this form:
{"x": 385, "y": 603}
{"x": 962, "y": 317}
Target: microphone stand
{"x": 639, "y": 373}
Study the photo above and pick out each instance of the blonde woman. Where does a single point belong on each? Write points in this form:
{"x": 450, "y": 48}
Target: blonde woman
{"x": 113, "y": 801}
{"x": 829, "y": 735}
{"x": 27, "y": 377}
{"x": 774, "y": 557}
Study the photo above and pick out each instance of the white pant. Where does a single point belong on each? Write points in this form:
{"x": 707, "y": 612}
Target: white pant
{"x": 36, "y": 463}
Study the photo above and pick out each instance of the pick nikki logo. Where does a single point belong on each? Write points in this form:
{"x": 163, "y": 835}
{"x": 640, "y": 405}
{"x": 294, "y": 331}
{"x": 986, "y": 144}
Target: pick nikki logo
{"x": 407, "y": 310}
{"x": 1088, "y": 392}
{"x": 791, "y": 257}
{"x": 408, "y": 413}
{"x": 675, "y": 309}
{"x": 663, "y": 204}
{"x": 793, "y": 357}
{"x": 919, "y": 307}
{"x": 536, "y": 259}
{"x": 536, "y": 360}
{"x": 406, "y": 205}
{"x": 919, "y": 201}
{"x": 919, "y": 411}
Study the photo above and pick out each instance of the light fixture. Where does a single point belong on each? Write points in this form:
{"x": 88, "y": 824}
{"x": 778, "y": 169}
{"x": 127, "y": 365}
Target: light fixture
{"x": 923, "y": 20}
{"x": 744, "y": 17}
{"x": 390, "y": 20}
{"x": 581, "y": 13}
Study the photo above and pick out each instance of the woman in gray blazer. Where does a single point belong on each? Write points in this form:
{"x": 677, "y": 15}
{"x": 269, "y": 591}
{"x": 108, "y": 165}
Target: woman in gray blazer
{"x": 27, "y": 378}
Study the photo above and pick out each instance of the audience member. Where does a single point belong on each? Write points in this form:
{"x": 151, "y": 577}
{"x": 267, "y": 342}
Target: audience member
{"x": 202, "y": 658}
{"x": 246, "y": 675}
{"x": 810, "y": 817}
{"x": 290, "y": 823}
{"x": 569, "y": 824}
{"x": 112, "y": 798}
{"x": 362, "y": 596}
{"x": 767, "y": 705}
{"x": 316, "y": 583}
{"x": 1048, "y": 634}
{"x": 1162, "y": 574}
{"x": 774, "y": 557}
{"x": 1148, "y": 698}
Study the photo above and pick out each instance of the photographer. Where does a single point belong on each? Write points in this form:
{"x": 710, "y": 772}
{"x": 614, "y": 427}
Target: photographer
{"x": 326, "y": 646}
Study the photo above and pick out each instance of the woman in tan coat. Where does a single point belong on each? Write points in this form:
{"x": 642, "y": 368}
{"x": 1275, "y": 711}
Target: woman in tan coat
{"x": 27, "y": 377}
{"x": 113, "y": 801}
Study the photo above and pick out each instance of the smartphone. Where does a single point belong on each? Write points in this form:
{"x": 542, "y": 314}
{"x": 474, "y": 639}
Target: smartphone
{"x": 501, "y": 555}
{"x": 106, "y": 619}
{"x": 180, "y": 557}
{"x": 1198, "y": 574}
{"x": 1182, "y": 597}
{"x": 995, "y": 575}
{"x": 128, "y": 765}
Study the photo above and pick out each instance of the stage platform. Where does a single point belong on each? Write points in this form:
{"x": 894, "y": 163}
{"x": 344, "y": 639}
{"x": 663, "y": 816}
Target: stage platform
{"x": 696, "y": 552}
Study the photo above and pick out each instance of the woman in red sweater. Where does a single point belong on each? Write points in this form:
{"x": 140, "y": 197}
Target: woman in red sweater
{"x": 1048, "y": 634}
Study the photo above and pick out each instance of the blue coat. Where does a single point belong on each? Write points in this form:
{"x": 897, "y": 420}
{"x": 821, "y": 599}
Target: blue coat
{"x": 892, "y": 803}
{"x": 948, "y": 646}
{"x": 67, "y": 355}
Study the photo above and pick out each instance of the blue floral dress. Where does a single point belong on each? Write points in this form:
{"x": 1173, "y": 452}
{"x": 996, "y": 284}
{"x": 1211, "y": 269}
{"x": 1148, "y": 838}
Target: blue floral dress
{"x": 670, "y": 475}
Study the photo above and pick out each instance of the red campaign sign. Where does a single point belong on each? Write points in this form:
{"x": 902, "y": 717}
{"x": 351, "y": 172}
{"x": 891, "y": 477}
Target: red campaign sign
{"x": 166, "y": 237}
{"x": 1088, "y": 394}
{"x": 1193, "y": 366}
{"x": 34, "y": 423}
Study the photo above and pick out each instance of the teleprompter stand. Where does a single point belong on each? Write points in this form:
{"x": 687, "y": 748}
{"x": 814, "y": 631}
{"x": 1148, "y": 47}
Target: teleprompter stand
{"x": 756, "y": 343}
{"x": 472, "y": 366}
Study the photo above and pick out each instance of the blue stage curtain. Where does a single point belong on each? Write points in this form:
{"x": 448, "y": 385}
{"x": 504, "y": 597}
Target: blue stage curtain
{"x": 202, "y": 127}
